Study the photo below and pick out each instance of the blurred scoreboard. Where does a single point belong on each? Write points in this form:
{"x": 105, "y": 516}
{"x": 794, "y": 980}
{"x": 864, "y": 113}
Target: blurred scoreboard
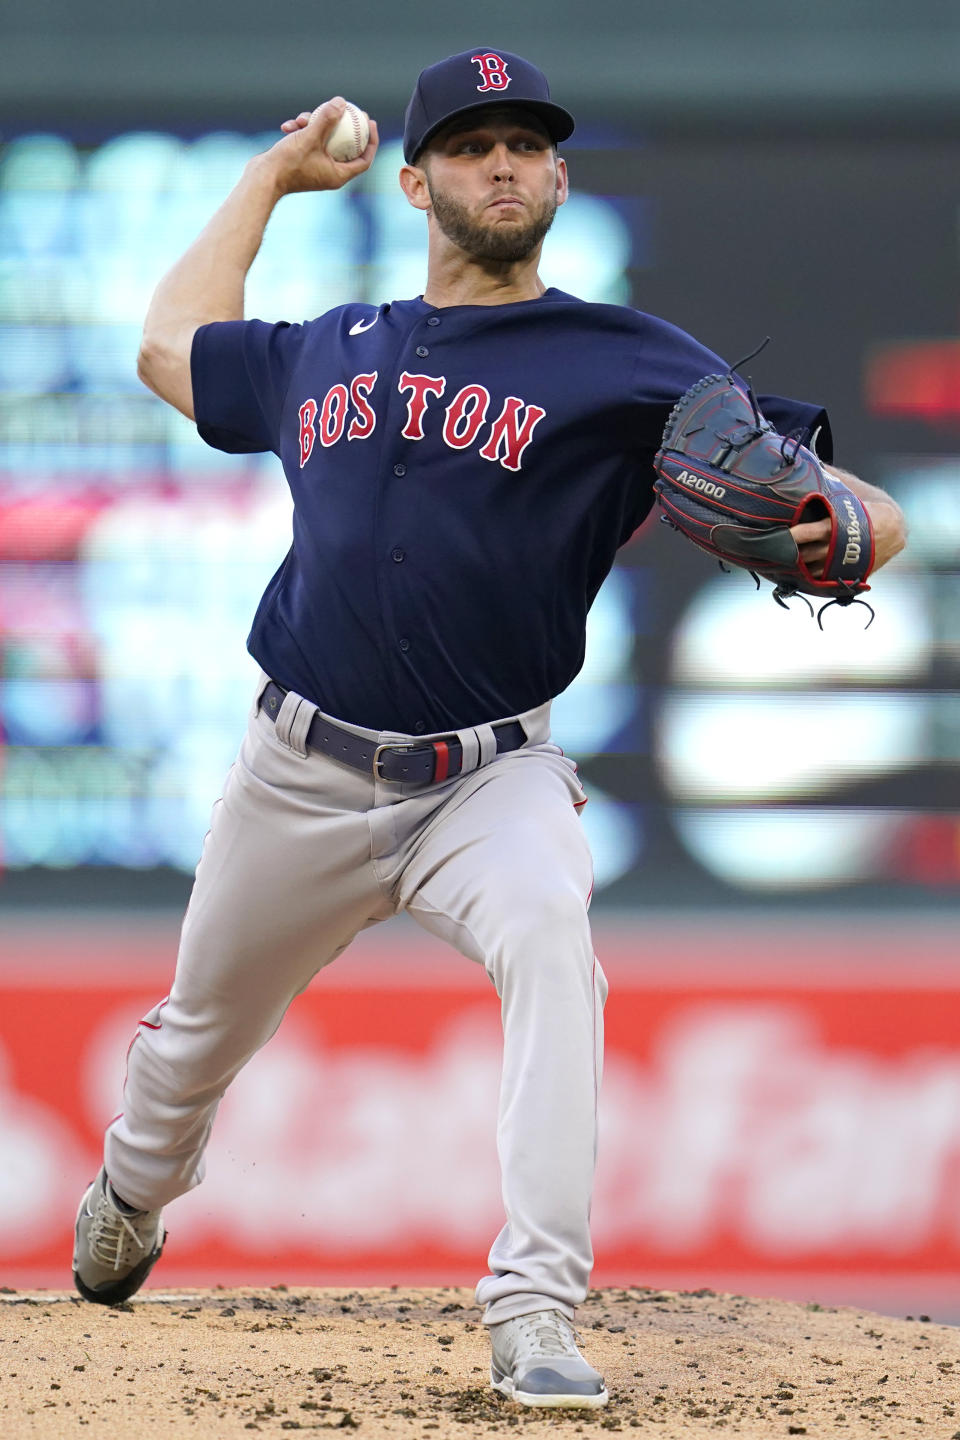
{"x": 727, "y": 747}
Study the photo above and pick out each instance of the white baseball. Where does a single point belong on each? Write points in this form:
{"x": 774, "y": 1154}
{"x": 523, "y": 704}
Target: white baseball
{"x": 350, "y": 135}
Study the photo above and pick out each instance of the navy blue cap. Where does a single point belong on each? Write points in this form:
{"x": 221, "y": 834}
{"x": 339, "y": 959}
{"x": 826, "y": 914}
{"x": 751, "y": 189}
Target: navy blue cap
{"x": 469, "y": 81}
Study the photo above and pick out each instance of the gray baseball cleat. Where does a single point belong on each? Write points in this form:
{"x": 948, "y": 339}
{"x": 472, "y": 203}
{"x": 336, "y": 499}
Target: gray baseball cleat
{"x": 536, "y": 1361}
{"x": 115, "y": 1247}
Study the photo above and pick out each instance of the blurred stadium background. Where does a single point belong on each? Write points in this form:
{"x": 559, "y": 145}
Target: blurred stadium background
{"x": 775, "y": 811}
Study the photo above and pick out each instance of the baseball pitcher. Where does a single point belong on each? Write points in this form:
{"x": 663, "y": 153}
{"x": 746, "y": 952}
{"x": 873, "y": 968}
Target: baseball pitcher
{"x": 464, "y": 466}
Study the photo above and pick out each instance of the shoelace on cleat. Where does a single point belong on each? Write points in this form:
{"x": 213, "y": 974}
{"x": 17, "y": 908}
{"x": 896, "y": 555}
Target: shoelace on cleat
{"x": 109, "y": 1234}
{"x": 546, "y": 1336}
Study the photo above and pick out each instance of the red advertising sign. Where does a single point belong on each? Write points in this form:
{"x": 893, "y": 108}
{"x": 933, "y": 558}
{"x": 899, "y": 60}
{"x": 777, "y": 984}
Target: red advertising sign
{"x": 759, "y": 1129}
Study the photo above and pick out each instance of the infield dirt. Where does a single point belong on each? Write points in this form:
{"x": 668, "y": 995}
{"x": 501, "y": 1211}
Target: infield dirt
{"x": 407, "y": 1363}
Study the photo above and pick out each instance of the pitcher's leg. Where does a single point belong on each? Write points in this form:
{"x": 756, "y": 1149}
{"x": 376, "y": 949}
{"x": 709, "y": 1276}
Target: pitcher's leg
{"x": 284, "y": 883}
{"x": 552, "y": 1008}
{"x": 506, "y": 878}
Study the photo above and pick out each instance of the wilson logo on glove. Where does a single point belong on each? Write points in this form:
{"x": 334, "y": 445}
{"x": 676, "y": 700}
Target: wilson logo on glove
{"x": 851, "y": 554}
{"x": 735, "y": 486}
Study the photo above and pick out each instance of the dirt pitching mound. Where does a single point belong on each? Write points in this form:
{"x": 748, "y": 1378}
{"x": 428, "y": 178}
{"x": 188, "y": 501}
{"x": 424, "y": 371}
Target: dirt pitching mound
{"x": 415, "y": 1362}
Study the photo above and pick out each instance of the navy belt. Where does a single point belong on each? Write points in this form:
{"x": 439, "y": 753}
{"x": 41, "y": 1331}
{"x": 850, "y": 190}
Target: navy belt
{"x": 423, "y": 764}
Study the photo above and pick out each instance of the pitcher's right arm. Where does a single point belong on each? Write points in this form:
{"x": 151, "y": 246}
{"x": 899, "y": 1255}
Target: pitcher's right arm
{"x": 207, "y": 282}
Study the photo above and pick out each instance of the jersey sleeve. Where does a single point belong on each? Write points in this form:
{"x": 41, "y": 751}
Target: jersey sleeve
{"x": 799, "y": 416}
{"x": 240, "y": 371}
{"x": 669, "y": 361}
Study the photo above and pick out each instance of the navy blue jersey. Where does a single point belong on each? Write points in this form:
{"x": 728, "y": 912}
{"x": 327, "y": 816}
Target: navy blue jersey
{"x": 462, "y": 479}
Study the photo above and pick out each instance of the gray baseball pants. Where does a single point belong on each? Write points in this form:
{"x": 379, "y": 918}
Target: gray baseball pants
{"x": 303, "y": 853}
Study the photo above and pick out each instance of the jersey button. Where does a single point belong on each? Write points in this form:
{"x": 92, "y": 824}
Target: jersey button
{"x": 422, "y": 351}
{"x": 398, "y": 555}
{"x": 404, "y": 643}
{"x": 399, "y": 469}
{"x": 433, "y": 319}
{"x": 420, "y": 726}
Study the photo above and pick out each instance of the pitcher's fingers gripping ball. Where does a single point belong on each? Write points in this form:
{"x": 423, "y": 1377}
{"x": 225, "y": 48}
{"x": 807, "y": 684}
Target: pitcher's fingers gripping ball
{"x": 350, "y": 135}
{"x": 734, "y": 486}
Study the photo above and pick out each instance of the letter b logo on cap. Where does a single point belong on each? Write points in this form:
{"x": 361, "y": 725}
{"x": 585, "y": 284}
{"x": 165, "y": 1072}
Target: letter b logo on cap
{"x": 493, "y": 72}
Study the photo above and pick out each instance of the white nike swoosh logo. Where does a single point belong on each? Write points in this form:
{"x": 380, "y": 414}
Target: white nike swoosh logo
{"x": 362, "y": 325}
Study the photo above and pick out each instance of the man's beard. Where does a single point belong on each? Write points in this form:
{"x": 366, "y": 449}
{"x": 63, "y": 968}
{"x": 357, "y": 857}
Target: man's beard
{"x": 498, "y": 242}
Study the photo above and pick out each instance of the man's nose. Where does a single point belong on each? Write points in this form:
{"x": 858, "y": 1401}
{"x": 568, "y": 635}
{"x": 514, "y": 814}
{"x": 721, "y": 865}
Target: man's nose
{"x": 502, "y": 163}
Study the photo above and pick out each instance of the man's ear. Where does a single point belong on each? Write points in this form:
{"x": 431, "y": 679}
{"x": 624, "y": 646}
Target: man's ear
{"x": 413, "y": 183}
{"x": 563, "y": 184}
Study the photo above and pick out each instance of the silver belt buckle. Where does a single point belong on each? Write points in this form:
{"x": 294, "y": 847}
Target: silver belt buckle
{"x": 402, "y": 749}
